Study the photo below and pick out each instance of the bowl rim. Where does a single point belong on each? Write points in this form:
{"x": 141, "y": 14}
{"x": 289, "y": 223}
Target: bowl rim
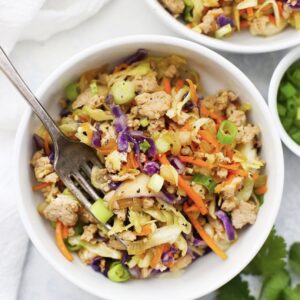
{"x": 214, "y": 43}
{"x": 164, "y": 40}
{"x": 286, "y": 62}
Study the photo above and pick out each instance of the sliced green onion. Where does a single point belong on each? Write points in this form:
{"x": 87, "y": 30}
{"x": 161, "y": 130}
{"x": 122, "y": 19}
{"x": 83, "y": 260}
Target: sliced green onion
{"x": 144, "y": 146}
{"x": 100, "y": 211}
{"x": 144, "y": 122}
{"x": 288, "y": 90}
{"x": 206, "y": 181}
{"x": 123, "y": 91}
{"x": 72, "y": 91}
{"x": 227, "y": 132}
{"x": 281, "y": 110}
{"x": 94, "y": 88}
{"x": 117, "y": 272}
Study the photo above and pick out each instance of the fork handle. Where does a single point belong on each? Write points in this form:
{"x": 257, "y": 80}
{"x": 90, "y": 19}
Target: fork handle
{"x": 9, "y": 70}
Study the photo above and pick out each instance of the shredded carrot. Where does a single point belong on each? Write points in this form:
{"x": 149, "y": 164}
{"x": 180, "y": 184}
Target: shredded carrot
{"x": 186, "y": 127}
{"x": 167, "y": 85}
{"x": 207, "y": 113}
{"x": 235, "y": 168}
{"x": 131, "y": 161}
{"x": 193, "y": 146}
{"x": 46, "y": 145}
{"x": 109, "y": 147}
{"x": 244, "y": 24}
{"x": 198, "y": 162}
{"x": 255, "y": 176}
{"x": 250, "y": 11}
{"x": 84, "y": 119}
{"x": 179, "y": 85}
{"x": 272, "y": 19}
{"x": 228, "y": 151}
{"x": 195, "y": 197}
{"x": 189, "y": 25}
{"x": 158, "y": 251}
{"x": 40, "y": 186}
{"x": 60, "y": 241}
{"x": 280, "y": 7}
{"x": 163, "y": 159}
{"x": 146, "y": 230}
{"x": 207, "y": 136}
{"x": 193, "y": 91}
{"x": 206, "y": 238}
{"x": 192, "y": 208}
{"x": 261, "y": 190}
{"x": 184, "y": 185}
{"x": 187, "y": 177}
{"x": 120, "y": 67}
{"x": 65, "y": 232}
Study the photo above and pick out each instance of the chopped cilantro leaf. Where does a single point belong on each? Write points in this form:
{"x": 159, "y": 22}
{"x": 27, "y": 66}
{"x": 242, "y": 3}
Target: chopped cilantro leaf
{"x": 294, "y": 258}
{"x": 292, "y": 294}
{"x": 274, "y": 287}
{"x": 236, "y": 289}
{"x": 270, "y": 258}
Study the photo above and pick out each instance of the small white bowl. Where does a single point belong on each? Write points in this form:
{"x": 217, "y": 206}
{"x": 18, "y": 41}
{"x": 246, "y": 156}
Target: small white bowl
{"x": 278, "y": 74}
{"x": 239, "y": 42}
{"x": 206, "y": 274}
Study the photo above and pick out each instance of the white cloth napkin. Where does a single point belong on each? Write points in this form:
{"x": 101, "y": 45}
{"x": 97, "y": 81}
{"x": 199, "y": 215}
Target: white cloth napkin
{"x": 24, "y": 20}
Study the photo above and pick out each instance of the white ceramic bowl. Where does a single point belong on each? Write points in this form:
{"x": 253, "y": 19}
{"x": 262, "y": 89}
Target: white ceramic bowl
{"x": 242, "y": 42}
{"x": 207, "y": 273}
{"x": 278, "y": 74}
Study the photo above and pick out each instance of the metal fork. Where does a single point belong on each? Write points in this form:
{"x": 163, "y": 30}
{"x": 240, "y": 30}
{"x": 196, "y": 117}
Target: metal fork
{"x": 73, "y": 161}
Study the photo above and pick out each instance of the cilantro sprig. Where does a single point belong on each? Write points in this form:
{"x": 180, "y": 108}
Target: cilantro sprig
{"x": 271, "y": 264}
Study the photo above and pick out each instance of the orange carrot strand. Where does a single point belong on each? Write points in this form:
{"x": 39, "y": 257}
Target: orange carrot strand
{"x": 193, "y": 91}
{"x": 40, "y": 186}
{"x": 167, "y": 85}
{"x": 179, "y": 85}
{"x": 261, "y": 190}
{"x": 60, "y": 241}
{"x": 206, "y": 238}
{"x": 198, "y": 162}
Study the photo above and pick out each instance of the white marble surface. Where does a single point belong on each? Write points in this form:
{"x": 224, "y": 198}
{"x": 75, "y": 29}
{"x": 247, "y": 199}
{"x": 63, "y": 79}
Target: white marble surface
{"x": 126, "y": 17}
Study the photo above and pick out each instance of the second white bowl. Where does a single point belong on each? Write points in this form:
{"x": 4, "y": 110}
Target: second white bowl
{"x": 278, "y": 74}
{"x": 241, "y": 42}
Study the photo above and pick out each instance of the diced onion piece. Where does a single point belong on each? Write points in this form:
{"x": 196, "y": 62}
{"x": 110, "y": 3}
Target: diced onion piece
{"x": 155, "y": 183}
{"x": 162, "y": 145}
{"x": 169, "y": 173}
{"x": 100, "y": 211}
